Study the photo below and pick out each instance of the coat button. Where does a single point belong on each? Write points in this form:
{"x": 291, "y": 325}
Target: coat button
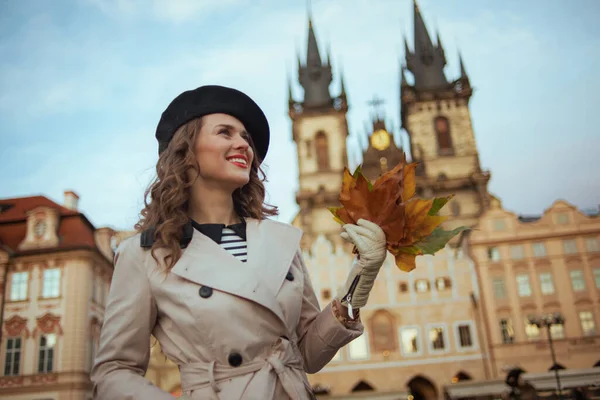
{"x": 289, "y": 276}
{"x": 205, "y": 292}
{"x": 235, "y": 359}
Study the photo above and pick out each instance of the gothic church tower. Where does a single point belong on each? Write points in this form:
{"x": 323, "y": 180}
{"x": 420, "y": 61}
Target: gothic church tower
{"x": 435, "y": 113}
{"x": 319, "y": 128}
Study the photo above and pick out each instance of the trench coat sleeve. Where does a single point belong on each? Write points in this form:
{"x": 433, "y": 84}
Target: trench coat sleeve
{"x": 320, "y": 333}
{"x": 124, "y": 349}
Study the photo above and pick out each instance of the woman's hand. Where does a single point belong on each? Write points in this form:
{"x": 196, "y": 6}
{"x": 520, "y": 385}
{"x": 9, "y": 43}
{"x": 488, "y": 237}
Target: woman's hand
{"x": 370, "y": 242}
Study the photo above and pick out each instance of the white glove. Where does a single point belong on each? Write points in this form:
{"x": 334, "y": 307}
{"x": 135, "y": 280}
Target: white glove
{"x": 370, "y": 242}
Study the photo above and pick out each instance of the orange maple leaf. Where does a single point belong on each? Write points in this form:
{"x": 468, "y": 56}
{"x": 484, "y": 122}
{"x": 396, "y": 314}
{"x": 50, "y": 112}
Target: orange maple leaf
{"x": 411, "y": 224}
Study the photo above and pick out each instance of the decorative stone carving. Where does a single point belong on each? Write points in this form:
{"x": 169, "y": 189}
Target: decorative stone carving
{"x": 16, "y": 326}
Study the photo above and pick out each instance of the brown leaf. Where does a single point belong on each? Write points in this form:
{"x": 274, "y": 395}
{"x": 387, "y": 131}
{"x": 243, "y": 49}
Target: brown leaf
{"x": 410, "y": 224}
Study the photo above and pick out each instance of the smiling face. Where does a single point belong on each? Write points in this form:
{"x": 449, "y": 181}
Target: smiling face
{"x": 223, "y": 152}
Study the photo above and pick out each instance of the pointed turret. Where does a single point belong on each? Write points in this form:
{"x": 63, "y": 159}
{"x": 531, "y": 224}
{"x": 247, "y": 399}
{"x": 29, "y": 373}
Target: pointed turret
{"x": 312, "y": 49}
{"x": 314, "y": 76}
{"x": 427, "y": 61}
{"x": 463, "y": 71}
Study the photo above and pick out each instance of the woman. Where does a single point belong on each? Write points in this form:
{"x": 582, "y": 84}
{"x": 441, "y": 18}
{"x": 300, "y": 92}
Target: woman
{"x": 222, "y": 288}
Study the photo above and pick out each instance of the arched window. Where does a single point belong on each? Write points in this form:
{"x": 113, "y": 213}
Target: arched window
{"x": 383, "y": 333}
{"x": 461, "y": 376}
{"x": 362, "y": 386}
{"x": 322, "y": 148}
{"x": 444, "y": 139}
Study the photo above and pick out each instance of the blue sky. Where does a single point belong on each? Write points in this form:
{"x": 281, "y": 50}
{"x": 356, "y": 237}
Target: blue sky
{"x": 83, "y": 83}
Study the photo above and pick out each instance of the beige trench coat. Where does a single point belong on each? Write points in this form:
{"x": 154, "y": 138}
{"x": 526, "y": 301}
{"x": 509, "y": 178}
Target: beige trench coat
{"x": 236, "y": 330}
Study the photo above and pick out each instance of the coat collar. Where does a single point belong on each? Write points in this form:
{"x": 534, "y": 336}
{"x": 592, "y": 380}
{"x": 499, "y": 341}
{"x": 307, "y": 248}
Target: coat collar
{"x": 215, "y": 231}
{"x": 271, "y": 249}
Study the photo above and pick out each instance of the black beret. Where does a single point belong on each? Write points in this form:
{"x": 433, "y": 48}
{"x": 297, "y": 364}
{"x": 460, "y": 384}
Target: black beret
{"x": 212, "y": 99}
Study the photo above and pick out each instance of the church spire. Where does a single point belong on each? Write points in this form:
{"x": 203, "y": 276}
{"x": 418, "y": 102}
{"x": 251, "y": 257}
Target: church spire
{"x": 463, "y": 71}
{"x": 427, "y": 61}
{"x": 312, "y": 50}
{"x": 314, "y": 75}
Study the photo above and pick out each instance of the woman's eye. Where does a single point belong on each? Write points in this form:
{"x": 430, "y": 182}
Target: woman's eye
{"x": 224, "y": 131}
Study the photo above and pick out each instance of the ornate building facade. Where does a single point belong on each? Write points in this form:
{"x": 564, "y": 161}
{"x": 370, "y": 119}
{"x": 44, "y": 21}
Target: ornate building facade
{"x": 430, "y": 333}
{"x": 423, "y": 329}
{"x": 55, "y": 272}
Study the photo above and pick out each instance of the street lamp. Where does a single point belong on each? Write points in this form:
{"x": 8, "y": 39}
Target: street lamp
{"x": 547, "y": 321}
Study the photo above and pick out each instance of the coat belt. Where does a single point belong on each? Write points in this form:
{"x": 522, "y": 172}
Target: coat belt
{"x": 282, "y": 360}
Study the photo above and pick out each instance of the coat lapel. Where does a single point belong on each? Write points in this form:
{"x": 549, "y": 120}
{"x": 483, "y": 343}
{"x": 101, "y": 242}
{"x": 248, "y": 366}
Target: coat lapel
{"x": 272, "y": 246}
{"x": 271, "y": 249}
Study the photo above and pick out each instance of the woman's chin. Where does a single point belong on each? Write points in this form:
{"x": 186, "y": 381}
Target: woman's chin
{"x": 237, "y": 181}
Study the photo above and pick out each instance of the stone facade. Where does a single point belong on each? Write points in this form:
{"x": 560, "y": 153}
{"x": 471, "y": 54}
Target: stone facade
{"x": 53, "y": 298}
{"x": 530, "y": 267}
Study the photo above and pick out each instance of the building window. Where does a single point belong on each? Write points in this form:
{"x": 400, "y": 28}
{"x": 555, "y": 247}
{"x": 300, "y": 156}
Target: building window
{"x": 422, "y": 285}
{"x": 493, "y": 254}
{"x": 18, "y": 287}
{"x": 358, "y": 348}
{"x": 531, "y": 330}
{"x": 517, "y": 252}
{"x": 597, "y": 277}
{"x": 499, "y": 225}
{"x": 410, "y": 340}
{"x": 588, "y": 325}
{"x": 46, "y": 354}
{"x": 577, "y": 281}
{"x": 539, "y": 249}
{"x": 322, "y": 150}
{"x": 436, "y": 338}
{"x": 562, "y": 219}
{"x": 464, "y": 335}
{"x": 403, "y": 287}
{"x": 444, "y": 139}
{"x": 442, "y": 284}
{"x": 591, "y": 244}
{"x": 506, "y": 330}
{"x": 523, "y": 286}
{"x": 383, "y": 332}
{"x": 12, "y": 361}
{"x": 51, "y": 283}
{"x": 570, "y": 246}
{"x": 499, "y": 289}
{"x": 546, "y": 283}
{"x": 557, "y": 331}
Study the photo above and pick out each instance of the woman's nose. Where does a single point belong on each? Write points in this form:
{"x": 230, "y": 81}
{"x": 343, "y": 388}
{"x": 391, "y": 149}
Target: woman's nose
{"x": 241, "y": 143}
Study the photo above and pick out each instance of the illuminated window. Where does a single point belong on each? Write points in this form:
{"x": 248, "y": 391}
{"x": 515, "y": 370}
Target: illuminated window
{"x": 436, "y": 338}
{"x": 410, "y": 340}
{"x": 588, "y": 325}
{"x": 506, "y": 330}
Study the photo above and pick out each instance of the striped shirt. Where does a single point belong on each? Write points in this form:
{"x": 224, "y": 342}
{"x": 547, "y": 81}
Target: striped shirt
{"x": 234, "y": 244}
{"x": 232, "y": 238}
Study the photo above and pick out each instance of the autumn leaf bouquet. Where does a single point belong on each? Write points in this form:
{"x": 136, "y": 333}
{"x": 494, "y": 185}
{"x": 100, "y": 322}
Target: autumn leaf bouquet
{"x": 411, "y": 224}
